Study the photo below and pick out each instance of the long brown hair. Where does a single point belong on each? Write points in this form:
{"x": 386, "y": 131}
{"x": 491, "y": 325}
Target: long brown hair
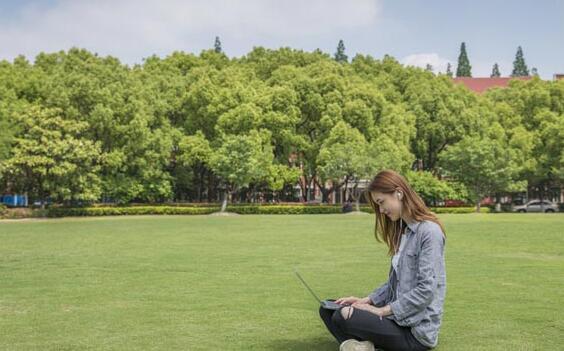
{"x": 388, "y": 181}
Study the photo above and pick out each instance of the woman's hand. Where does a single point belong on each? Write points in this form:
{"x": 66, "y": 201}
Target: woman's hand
{"x": 349, "y": 300}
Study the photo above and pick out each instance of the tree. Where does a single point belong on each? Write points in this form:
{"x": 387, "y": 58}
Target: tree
{"x": 217, "y": 45}
{"x": 548, "y": 150}
{"x": 484, "y": 166}
{"x": 195, "y": 151}
{"x": 342, "y": 157}
{"x": 429, "y": 67}
{"x": 449, "y": 70}
{"x": 157, "y": 125}
{"x": 443, "y": 116}
{"x": 51, "y": 160}
{"x": 431, "y": 189}
{"x": 240, "y": 160}
{"x": 464, "y": 69}
{"x": 340, "y": 54}
{"x": 8, "y": 107}
{"x": 534, "y": 72}
{"x": 534, "y": 116}
{"x": 519, "y": 66}
{"x": 495, "y": 71}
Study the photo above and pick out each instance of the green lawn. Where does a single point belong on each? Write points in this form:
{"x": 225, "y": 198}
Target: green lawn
{"x": 226, "y": 283}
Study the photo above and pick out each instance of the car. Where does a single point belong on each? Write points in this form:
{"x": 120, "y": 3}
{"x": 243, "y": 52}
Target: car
{"x": 537, "y": 206}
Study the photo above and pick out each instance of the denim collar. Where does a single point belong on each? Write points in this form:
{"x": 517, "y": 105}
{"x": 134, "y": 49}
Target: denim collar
{"x": 413, "y": 226}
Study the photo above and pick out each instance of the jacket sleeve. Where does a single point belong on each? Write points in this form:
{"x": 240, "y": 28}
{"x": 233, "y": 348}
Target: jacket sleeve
{"x": 430, "y": 259}
{"x": 379, "y": 295}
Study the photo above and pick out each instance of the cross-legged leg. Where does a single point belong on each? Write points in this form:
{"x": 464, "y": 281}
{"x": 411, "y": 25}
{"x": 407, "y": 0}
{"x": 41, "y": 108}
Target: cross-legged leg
{"x": 328, "y": 318}
{"x": 350, "y": 323}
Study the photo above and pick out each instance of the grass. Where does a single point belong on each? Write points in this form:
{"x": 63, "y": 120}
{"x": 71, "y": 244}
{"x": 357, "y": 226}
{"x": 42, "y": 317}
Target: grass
{"x": 226, "y": 283}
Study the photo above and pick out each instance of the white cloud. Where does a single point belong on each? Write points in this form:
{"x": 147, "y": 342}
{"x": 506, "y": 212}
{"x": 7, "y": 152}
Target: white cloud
{"x": 132, "y": 29}
{"x": 421, "y": 60}
{"x": 479, "y": 68}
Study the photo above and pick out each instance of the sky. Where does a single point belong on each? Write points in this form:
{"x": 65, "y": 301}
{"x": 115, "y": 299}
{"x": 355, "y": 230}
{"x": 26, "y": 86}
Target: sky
{"x": 416, "y": 32}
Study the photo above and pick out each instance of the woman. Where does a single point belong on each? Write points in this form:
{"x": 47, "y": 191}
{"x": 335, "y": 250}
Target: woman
{"x": 405, "y": 312}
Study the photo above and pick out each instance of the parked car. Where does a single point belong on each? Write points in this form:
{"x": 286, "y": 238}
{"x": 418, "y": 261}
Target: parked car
{"x": 536, "y": 206}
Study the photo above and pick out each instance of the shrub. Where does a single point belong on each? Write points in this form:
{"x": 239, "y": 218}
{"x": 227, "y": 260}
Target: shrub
{"x": 122, "y": 211}
{"x": 240, "y": 209}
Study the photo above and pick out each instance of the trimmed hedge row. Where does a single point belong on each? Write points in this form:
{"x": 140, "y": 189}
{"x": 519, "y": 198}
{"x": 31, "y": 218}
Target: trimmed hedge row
{"x": 299, "y": 209}
{"x": 460, "y": 210}
{"x": 248, "y": 209}
{"x": 128, "y": 211}
{"x": 211, "y": 204}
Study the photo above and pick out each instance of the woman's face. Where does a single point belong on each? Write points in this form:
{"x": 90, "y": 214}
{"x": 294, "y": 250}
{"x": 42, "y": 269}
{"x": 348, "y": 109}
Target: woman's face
{"x": 389, "y": 204}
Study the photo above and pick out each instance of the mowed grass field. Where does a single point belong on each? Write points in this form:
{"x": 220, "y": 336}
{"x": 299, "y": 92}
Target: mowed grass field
{"x": 227, "y": 283}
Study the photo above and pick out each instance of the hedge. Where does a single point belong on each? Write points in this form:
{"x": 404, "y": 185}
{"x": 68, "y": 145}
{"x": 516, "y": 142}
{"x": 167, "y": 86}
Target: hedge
{"x": 126, "y": 211}
{"x": 240, "y": 209}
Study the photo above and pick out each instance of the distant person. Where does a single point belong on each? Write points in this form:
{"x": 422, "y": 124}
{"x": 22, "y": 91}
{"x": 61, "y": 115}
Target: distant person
{"x": 405, "y": 312}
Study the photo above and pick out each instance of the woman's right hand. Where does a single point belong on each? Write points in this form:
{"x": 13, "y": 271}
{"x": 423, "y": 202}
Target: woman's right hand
{"x": 348, "y": 300}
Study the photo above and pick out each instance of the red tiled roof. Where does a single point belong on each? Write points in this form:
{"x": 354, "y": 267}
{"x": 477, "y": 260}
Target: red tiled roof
{"x": 479, "y": 85}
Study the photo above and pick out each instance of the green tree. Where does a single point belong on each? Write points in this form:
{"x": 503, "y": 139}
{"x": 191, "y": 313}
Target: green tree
{"x": 50, "y": 159}
{"x": 519, "y": 66}
{"x": 484, "y": 166}
{"x": 495, "y": 71}
{"x": 443, "y": 116}
{"x": 240, "y": 160}
{"x": 463, "y": 69}
{"x": 217, "y": 45}
{"x": 195, "y": 151}
{"x": 449, "y": 70}
{"x": 431, "y": 189}
{"x": 533, "y": 113}
{"x": 340, "y": 55}
{"x": 342, "y": 157}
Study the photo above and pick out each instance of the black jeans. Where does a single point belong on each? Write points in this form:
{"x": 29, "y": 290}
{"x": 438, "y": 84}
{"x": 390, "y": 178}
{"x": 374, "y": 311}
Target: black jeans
{"x": 362, "y": 325}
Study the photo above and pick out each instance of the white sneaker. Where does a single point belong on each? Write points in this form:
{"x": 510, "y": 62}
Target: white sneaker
{"x": 355, "y": 345}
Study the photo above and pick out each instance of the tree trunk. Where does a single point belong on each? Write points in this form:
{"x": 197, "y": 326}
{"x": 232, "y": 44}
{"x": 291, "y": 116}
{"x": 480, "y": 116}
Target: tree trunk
{"x": 304, "y": 189}
{"x": 309, "y": 188}
{"x": 224, "y": 203}
{"x": 356, "y": 196}
{"x": 346, "y": 185}
{"x": 326, "y": 191}
{"x": 201, "y": 184}
{"x": 497, "y": 202}
{"x": 210, "y": 187}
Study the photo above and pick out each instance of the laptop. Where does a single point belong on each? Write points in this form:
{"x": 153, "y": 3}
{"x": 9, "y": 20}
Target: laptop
{"x": 330, "y": 305}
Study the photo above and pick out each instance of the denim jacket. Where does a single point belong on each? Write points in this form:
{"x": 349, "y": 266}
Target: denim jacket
{"x": 417, "y": 292}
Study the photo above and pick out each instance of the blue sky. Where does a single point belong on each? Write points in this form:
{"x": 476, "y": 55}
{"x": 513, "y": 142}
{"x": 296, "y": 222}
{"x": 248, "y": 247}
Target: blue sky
{"x": 415, "y": 32}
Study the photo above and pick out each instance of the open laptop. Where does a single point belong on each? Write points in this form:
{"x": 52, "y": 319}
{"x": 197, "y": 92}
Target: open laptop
{"x": 330, "y": 305}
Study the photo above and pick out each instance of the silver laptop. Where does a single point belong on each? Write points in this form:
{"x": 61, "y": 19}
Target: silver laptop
{"x": 330, "y": 305}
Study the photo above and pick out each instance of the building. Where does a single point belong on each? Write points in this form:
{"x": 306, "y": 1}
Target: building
{"x": 479, "y": 85}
